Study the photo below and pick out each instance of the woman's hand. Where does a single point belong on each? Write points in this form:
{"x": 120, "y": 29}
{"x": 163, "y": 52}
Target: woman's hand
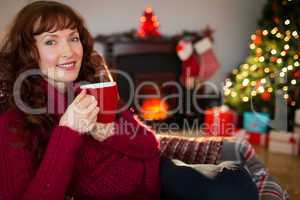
{"x": 81, "y": 114}
{"x": 102, "y": 131}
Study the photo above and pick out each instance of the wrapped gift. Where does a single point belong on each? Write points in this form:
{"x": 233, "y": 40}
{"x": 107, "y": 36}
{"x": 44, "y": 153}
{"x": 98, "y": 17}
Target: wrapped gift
{"x": 258, "y": 138}
{"x": 254, "y": 138}
{"x": 220, "y": 121}
{"x": 256, "y": 122}
{"x": 283, "y": 142}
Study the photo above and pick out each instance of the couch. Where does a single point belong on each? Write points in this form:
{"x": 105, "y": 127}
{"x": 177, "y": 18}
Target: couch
{"x": 213, "y": 150}
{"x": 194, "y": 150}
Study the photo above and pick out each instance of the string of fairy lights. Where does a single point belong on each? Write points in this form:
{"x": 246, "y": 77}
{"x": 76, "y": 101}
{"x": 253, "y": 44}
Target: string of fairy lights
{"x": 278, "y": 63}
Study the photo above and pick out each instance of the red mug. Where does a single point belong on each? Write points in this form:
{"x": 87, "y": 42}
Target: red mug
{"x": 106, "y": 94}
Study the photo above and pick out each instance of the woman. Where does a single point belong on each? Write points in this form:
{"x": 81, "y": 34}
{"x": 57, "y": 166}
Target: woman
{"x": 62, "y": 152}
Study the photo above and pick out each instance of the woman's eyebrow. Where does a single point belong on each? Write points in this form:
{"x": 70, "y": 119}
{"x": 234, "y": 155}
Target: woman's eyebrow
{"x": 74, "y": 32}
{"x": 49, "y": 34}
{"x": 56, "y": 35}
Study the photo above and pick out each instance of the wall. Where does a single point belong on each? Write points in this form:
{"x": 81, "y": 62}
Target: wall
{"x": 232, "y": 20}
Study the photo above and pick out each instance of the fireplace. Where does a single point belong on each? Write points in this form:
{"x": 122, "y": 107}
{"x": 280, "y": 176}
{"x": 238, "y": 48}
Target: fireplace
{"x": 153, "y": 67}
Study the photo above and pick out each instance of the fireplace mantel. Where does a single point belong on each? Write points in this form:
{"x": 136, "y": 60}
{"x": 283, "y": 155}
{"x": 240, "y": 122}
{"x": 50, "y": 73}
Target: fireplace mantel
{"x": 118, "y": 44}
{"x": 146, "y": 59}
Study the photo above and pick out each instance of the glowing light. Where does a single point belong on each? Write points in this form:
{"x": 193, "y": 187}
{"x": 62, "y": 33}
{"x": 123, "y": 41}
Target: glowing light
{"x": 253, "y": 93}
{"x": 282, "y": 74}
{"x": 261, "y": 59}
{"x": 267, "y": 70}
{"x": 154, "y": 109}
{"x": 286, "y": 47}
{"x": 290, "y": 67}
{"x": 287, "y": 22}
{"x": 285, "y": 88}
{"x": 252, "y": 46}
{"x": 253, "y": 68}
{"x": 278, "y": 35}
{"x": 293, "y": 82}
{"x": 273, "y": 52}
{"x": 270, "y": 89}
{"x": 227, "y": 92}
{"x": 296, "y": 64}
{"x": 246, "y": 66}
{"x": 287, "y": 38}
{"x": 296, "y": 57}
{"x": 283, "y": 53}
{"x": 286, "y": 96}
{"x": 284, "y": 69}
{"x": 295, "y": 34}
{"x": 148, "y": 10}
{"x": 261, "y": 89}
{"x": 245, "y": 82}
{"x": 143, "y": 19}
{"x": 265, "y": 32}
{"x": 263, "y": 80}
{"x": 274, "y": 30}
{"x": 154, "y": 18}
{"x": 253, "y": 37}
{"x": 228, "y": 84}
{"x": 245, "y": 99}
{"x": 258, "y": 50}
{"x": 279, "y": 61}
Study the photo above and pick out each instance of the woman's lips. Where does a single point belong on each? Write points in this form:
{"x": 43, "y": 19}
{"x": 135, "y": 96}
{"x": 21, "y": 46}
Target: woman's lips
{"x": 67, "y": 66}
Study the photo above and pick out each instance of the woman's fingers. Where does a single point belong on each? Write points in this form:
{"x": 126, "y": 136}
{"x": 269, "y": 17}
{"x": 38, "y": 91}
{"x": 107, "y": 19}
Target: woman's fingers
{"x": 89, "y": 120}
{"x": 92, "y": 122}
{"x": 79, "y": 97}
{"x": 93, "y": 114}
{"x": 88, "y": 110}
{"x": 81, "y": 115}
{"x": 86, "y": 101}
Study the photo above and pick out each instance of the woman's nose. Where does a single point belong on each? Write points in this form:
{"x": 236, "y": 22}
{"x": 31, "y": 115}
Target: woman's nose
{"x": 67, "y": 50}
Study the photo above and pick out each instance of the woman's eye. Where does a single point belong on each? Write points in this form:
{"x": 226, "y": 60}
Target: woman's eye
{"x": 75, "y": 39}
{"x": 50, "y": 42}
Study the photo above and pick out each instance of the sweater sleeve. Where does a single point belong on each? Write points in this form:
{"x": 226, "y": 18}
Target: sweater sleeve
{"x": 52, "y": 177}
{"x": 133, "y": 138}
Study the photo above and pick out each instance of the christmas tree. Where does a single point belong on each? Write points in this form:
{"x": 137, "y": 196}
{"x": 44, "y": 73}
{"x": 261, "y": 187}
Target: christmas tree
{"x": 149, "y": 24}
{"x": 272, "y": 68}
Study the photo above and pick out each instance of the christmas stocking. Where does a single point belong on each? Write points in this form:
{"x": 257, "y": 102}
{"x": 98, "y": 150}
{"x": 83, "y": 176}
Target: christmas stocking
{"x": 207, "y": 59}
{"x": 190, "y": 65}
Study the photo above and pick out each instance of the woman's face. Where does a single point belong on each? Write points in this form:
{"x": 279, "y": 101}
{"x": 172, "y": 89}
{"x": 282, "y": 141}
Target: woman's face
{"x": 60, "y": 55}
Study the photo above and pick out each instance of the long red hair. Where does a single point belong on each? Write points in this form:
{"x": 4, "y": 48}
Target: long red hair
{"x": 19, "y": 53}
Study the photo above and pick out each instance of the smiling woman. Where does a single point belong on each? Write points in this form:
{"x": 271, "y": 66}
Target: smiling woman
{"x": 57, "y": 155}
{"x": 60, "y": 56}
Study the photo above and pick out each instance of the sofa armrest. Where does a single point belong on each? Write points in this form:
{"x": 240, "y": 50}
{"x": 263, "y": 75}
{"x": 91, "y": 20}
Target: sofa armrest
{"x": 241, "y": 150}
{"x": 191, "y": 150}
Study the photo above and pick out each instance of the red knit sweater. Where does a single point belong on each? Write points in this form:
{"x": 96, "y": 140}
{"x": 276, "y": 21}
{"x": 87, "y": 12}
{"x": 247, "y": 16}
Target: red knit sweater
{"x": 124, "y": 166}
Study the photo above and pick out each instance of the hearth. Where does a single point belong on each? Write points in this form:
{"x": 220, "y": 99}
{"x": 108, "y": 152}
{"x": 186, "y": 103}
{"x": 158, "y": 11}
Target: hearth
{"x": 152, "y": 84}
